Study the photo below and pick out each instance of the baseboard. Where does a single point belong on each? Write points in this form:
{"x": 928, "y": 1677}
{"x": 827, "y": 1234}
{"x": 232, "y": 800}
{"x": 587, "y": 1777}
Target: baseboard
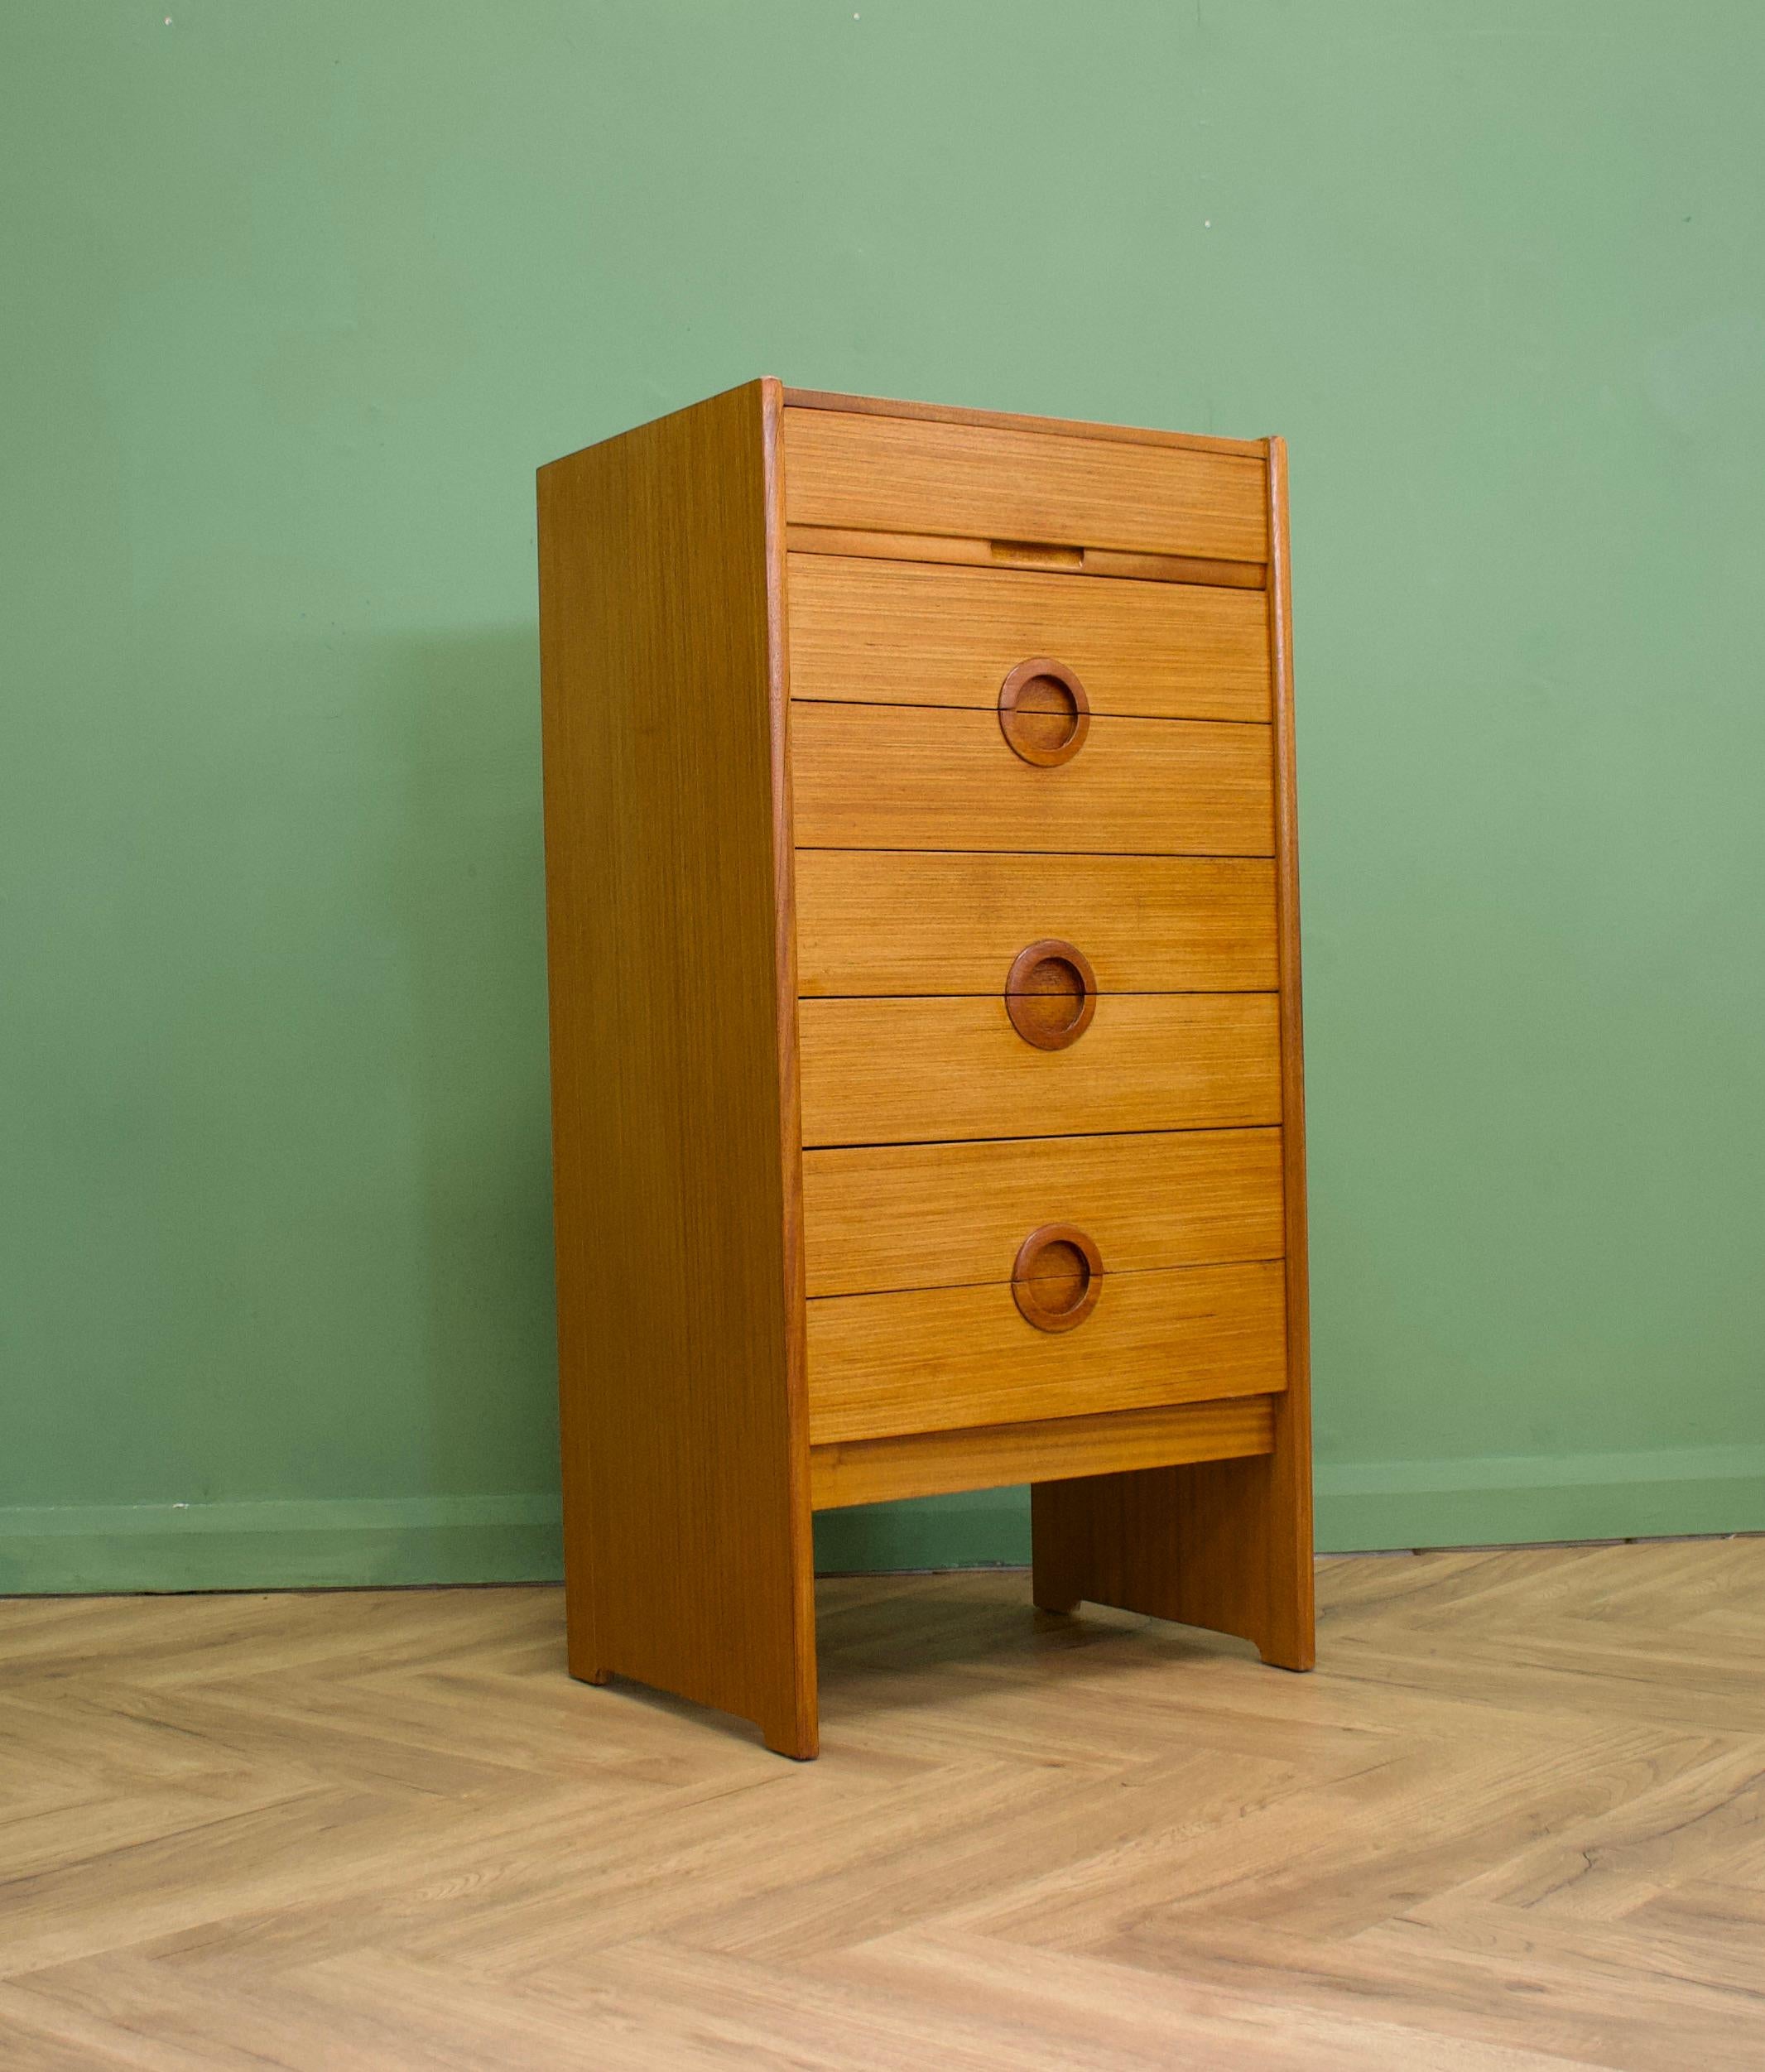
{"x": 345, "y": 1542}
{"x": 990, "y": 1528}
{"x": 1508, "y": 1500}
{"x": 318, "y": 1544}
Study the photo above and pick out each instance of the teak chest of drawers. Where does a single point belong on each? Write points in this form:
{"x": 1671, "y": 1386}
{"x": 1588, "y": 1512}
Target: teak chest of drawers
{"x": 921, "y": 891}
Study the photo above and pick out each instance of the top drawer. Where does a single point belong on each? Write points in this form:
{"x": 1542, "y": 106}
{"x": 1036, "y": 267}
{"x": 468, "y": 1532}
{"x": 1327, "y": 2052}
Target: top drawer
{"x": 903, "y": 474}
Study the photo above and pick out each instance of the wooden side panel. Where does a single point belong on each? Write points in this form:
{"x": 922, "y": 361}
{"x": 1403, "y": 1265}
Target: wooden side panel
{"x": 902, "y": 474}
{"x": 914, "y": 1071}
{"x": 920, "y": 777}
{"x": 1228, "y": 1545}
{"x": 880, "y": 1216}
{"x": 932, "y": 921}
{"x": 685, "y": 1470}
{"x": 895, "y": 632}
{"x": 937, "y": 1359}
{"x": 991, "y": 1457}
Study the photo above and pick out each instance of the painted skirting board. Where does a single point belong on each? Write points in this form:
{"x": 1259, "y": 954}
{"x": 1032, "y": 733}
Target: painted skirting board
{"x": 342, "y": 1542}
{"x": 315, "y": 1544}
{"x": 1509, "y": 1499}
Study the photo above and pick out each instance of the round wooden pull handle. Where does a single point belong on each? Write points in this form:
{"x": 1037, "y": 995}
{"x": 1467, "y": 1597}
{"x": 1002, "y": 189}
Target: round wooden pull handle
{"x": 1058, "y": 1277}
{"x": 1051, "y": 995}
{"x": 1044, "y": 712}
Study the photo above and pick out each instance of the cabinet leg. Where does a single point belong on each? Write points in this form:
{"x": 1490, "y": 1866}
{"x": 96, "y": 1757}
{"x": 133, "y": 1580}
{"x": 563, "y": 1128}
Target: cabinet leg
{"x": 582, "y": 1644}
{"x": 1224, "y": 1544}
{"x": 735, "y": 1630}
{"x": 1056, "y": 1573}
{"x": 798, "y": 1738}
{"x": 1048, "y": 1595}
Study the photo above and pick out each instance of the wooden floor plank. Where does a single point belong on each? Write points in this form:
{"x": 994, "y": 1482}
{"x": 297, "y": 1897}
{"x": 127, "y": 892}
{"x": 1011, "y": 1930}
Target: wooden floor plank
{"x": 1516, "y": 1819}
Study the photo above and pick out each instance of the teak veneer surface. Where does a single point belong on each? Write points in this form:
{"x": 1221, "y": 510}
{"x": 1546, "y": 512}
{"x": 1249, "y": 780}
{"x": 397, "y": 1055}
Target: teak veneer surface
{"x": 1037, "y": 782}
{"x": 679, "y": 1272}
{"x": 1284, "y": 1577}
{"x": 1511, "y": 1825}
{"x": 1225, "y": 1545}
{"x": 1255, "y": 449}
{"x": 936, "y": 1463}
{"x": 932, "y": 921}
{"x": 900, "y": 475}
{"x": 917, "y": 1071}
{"x": 893, "y": 632}
{"x": 953, "y": 550}
{"x": 931, "y": 777}
{"x": 881, "y": 1216}
{"x": 935, "y": 1359}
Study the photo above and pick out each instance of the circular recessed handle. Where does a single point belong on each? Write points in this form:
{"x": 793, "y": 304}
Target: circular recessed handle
{"x": 1058, "y": 1277}
{"x": 1051, "y": 995}
{"x": 1044, "y": 714}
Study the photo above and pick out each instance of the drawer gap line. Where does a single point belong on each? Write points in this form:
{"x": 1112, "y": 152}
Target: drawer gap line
{"x": 984, "y": 705}
{"x": 1004, "y": 1281}
{"x": 1175, "y": 856}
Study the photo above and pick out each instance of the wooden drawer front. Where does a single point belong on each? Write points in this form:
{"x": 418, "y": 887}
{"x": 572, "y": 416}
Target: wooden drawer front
{"x": 882, "y": 1216}
{"x": 894, "y": 776}
{"x": 937, "y": 1359}
{"x": 903, "y": 474}
{"x": 893, "y": 632}
{"x": 914, "y": 1071}
{"x": 929, "y": 921}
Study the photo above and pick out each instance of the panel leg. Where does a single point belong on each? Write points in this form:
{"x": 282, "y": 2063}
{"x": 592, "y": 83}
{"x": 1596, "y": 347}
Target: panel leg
{"x": 581, "y": 1627}
{"x": 584, "y": 1664}
{"x": 733, "y": 1630}
{"x": 1056, "y": 1569}
{"x": 1223, "y": 1544}
{"x": 798, "y": 1738}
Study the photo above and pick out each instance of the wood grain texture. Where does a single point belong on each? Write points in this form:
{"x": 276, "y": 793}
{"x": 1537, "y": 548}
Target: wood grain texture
{"x": 1511, "y": 1825}
{"x": 882, "y": 1216}
{"x": 1291, "y": 1617}
{"x": 1013, "y": 420}
{"x": 893, "y": 632}
{"x": 993, "y": 1456}
{"x": 942, "y": 548}
{"x": 899, "y": 475}
{"x": 935, "y": 921}
{"x": 801, "y": 1739}
{"x": 1171, "y": 568}
{"x": 937, "y": 1359}
{"x": 686, "y": 1467}
{"x": 913, "y": 1071}
{"x": 908, "y": 777}
{"x": 1227, "y": 1545}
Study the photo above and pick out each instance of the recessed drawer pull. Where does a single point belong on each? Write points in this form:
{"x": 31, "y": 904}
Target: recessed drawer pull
{"x": 1051, "y": 995}
{"x": 1058, "y": 1276}
{"x": 1044, "y": 714}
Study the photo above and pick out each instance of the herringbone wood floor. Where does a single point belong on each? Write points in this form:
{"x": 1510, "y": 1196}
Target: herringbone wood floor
{"x": 1514, "y": 1820}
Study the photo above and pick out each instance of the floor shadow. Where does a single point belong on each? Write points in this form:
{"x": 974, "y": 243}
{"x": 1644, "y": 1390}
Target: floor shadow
{"x": 885, "y": 1639}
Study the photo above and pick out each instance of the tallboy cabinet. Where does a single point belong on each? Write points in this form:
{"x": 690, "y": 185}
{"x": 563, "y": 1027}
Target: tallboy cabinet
{"x": 921, "y": 891}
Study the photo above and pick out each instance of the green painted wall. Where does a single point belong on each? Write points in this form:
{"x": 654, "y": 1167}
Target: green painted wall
{"x": 296, "y": 298}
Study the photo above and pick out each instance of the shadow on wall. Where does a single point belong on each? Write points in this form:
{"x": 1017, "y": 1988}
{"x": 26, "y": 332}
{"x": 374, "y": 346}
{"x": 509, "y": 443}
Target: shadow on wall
{"x": 459, "y": 754}
{"x": 458, "y": 727}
